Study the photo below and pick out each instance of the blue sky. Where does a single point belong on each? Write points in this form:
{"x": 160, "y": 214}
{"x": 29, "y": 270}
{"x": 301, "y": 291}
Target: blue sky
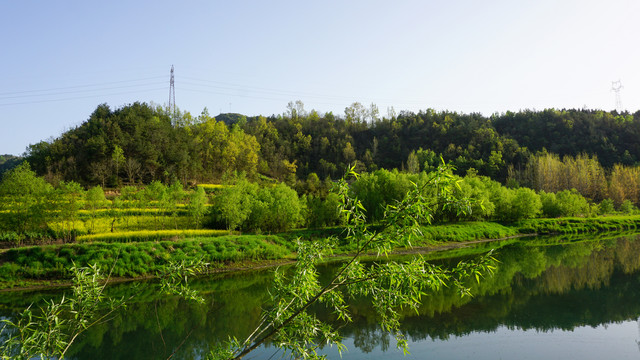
{"x": 60, "y": 59}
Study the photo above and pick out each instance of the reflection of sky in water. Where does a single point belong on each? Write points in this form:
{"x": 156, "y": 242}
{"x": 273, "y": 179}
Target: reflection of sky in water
{"x": 611, "y": 341}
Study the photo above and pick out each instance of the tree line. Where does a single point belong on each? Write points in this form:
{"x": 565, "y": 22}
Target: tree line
{"x": 141, "y": 143}
{"x": 593, "y": 152}
{"x": 33, "y": 209}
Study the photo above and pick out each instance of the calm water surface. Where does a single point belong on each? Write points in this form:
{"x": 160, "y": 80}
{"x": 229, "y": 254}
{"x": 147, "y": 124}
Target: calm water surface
{"x": 550, "y": 298}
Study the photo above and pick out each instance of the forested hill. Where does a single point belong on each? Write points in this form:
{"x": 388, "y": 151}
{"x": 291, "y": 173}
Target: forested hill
{"x": 139, "y": 143}
{"x": 8, "y": 162}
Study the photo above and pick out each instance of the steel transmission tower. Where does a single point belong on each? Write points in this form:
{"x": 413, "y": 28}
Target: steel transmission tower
{"x": 616, "y": 86}
{"x": 172, "y": 95}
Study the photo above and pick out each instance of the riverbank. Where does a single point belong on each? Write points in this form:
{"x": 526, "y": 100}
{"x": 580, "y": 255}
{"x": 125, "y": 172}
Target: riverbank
{"x": 38, "y": 266}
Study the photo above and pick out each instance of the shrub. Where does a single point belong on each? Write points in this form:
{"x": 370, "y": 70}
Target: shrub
{"x": 606, "y": 207}
{"x": 549, "y": 204}
{"x": 515, "y": 204}
{"x": 525, "y": 204}
{"x": 627, "y": 207}
{"x": 572, "y": 203}
{"x": 321, "y": 213}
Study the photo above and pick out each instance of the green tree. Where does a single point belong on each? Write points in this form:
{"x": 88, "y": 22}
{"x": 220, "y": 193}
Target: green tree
{"x": 197, "y": 205}
{"x": 296, "y": 110}
{"x": 69, "y": 202}
{"x": 525, "y": 204}
{"x": 356, "y": 113}
{"x": 118, "y": 159}
{"x": 627, "y": 208}
{"x": 322, "y": 212}
{"x": 155, "y": 195}
{"x": 174, "y": 194}
{"x": 572, "y": 203}
{"x": 413, "y": 165}
{"x": 475, "y": 189}
{"x": 606, "y": 207}
{"x": 94, "y": 200}
{"x": 26, "y": 199}
{"x": 284, "y": 210}
{"x": 132, "y": 168}
{"x": 234, "y": 204}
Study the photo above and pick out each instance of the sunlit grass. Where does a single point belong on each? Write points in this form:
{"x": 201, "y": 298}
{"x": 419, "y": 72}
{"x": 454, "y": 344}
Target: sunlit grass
{"x": 149, "y": 235}
{"x": 209, "y": 188}
{"x": 99, "y": 225}
{"x": 135, "y": 259}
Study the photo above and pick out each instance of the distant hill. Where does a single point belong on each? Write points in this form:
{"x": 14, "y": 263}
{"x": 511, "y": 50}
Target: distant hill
{"x": 8, "y": 162}
{"x": 231, "y": 119}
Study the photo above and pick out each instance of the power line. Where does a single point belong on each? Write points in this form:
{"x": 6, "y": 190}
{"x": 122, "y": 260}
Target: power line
{"x": 195, "y": 85}
{"x": 270, "y": 91}
{"x": 10, "y": 93}
{"x": 77, "y": 91}
{"x": 83, "y": 97}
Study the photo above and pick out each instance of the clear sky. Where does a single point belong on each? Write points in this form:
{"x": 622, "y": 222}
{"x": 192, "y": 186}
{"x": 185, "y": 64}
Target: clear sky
{"x": 60, "y": 59}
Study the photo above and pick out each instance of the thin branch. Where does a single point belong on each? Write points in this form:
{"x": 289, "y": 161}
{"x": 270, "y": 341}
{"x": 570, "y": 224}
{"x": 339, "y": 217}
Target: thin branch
{"x": 155, "y": 304}
{"x": 179, "y": 346}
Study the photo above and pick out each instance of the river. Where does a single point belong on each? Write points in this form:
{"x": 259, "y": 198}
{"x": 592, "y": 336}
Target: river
{"x": 570, "y": 297}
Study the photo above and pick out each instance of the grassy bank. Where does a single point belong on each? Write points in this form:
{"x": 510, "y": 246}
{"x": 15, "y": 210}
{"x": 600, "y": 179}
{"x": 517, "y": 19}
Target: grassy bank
{"x": 135, "y": 254}
{"x": 28, "y": 265}
{"x": 577, "y": 225}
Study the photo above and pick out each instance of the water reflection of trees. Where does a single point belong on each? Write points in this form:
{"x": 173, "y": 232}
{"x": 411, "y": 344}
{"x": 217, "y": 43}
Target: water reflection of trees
{"x": 153, "y": 326}
{"x": 536, "y": 286}
{"x": 542, "y": 288}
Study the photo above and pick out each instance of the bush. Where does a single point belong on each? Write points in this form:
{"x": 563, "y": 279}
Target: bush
{"x": 572, "y": 203}
{"x": 549, "y": 204}
{"x": 564, "y": 203}
{"x": 322, "y": 213}
{"x": 248, "y": 207}
{"x": 235, "y": 203}
{"x": 627, "y": 207}
{"x": 475, "y": 189}
{"x": 525, "y": 204}
{"x": 378, "y": 189}
{"x": 606, "y": 207}
{"x": 515, "y": 204}
{"x": 284, "y": 212}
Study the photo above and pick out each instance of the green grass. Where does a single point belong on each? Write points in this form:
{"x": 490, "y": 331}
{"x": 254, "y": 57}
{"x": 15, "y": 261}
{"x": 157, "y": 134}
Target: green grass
{"x": 179, "y": 210}
{"x": 578, "y": 225}
{"x": 432, "y": 234}
{"x": 127, "y": 223}
{"x": 132, "y": 259}
{"x": 465, "y": 231}
{"x": 143, "y": 252}
{"x": 149, "y": 235}
{"x": 210, "y": 188}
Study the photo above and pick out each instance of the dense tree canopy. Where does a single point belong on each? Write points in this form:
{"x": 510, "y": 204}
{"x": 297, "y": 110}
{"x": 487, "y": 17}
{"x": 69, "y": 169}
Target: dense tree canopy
{"x": 139, "y": 144}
